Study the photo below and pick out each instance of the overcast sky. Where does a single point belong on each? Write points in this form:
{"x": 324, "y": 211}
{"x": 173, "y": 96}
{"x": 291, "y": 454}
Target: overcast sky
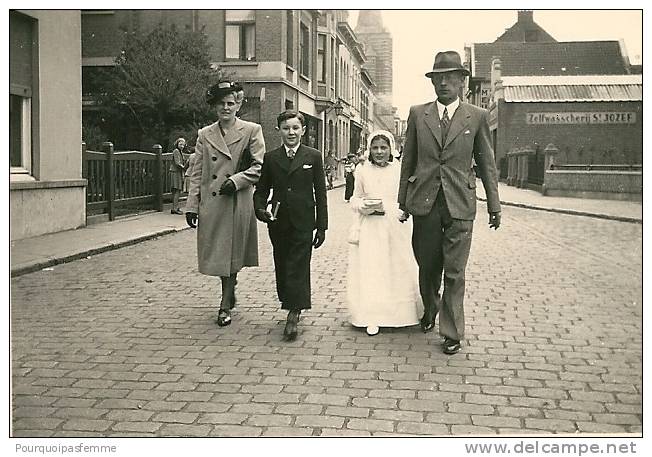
{"x": 419, "y": 34}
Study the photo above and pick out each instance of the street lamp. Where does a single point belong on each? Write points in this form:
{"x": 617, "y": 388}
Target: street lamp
{"x": 337, "y": 106}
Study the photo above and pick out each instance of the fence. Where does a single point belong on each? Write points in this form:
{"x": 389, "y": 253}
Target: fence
{"x": 118, "y": 180}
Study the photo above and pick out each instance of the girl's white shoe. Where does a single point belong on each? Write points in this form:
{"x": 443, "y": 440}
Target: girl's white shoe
{"x": 372, "y": 330}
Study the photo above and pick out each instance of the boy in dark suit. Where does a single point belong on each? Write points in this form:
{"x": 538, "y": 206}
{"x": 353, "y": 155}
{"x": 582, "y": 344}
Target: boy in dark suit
{"x": 295, "y": 174}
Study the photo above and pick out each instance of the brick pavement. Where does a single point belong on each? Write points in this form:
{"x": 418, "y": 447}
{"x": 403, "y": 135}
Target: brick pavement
{"x": 123, "y": 343}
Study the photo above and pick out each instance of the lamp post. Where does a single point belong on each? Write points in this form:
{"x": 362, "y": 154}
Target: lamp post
{"x": 337, "y": 106}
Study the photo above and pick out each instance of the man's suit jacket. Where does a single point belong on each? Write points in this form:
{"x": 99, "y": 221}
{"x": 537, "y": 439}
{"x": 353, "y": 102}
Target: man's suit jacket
{"x": 428, "y": 164}
{"x": 299, "y": 185}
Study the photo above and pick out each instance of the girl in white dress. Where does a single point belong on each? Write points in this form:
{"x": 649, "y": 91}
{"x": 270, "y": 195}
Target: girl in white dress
{"x": 383, "y": 286}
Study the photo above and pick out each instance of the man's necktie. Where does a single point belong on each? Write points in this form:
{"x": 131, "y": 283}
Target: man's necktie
{"x": 445, "y": 124}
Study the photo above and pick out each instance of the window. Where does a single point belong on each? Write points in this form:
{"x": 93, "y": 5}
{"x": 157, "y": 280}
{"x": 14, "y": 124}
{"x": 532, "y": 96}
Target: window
{"x": 321, "y": 58}
{"x": 290, "y": 38}
{"x": 304, "y": 50}
{"x": 333, "y": 65}
{"x": 22, "y": 55}
{"x": 240, "y": 34}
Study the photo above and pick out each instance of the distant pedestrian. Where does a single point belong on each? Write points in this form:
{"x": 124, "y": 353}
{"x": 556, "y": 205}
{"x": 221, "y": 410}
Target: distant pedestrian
{"x": 294, "y": 173}
{"x": 190, "y": 162}
{"x": 229, "y": 156}
{"x": 437, "y": 187}
{"x": 177, "y": 167}
{"x": 382, "y": 281}
{"x": 349, "y": 175}
{"x": 330, "y": 167}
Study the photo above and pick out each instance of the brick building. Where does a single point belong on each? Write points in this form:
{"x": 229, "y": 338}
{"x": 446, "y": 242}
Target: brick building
{"x": 308, "y": 60}
{"x": 581, "y": 97}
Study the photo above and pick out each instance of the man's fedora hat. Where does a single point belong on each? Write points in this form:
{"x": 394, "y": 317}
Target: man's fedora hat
{"x": 447, "y": 61}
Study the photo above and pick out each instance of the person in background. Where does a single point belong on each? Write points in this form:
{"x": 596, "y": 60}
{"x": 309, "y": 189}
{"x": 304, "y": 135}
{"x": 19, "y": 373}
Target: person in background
{"x": 382, "y": 280}
{"x": 330, "y": 166}
{"x": 437, "y": 188}
{"x": 294, "y": 173}
{"x": 349, "y": 177}
{"x": 177, "y": 167}
{"x": 229, "y": 156}
{"x": 190, "y": 162}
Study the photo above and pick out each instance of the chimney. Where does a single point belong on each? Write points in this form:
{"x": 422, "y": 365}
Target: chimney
{"x": 525, "y": 16}
{"x": 496, "y": 79}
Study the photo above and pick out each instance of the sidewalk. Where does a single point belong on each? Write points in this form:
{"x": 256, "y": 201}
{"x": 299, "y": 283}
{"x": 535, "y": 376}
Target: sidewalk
{"x": 624, "y": 211}
{"x": 33, "y": 254}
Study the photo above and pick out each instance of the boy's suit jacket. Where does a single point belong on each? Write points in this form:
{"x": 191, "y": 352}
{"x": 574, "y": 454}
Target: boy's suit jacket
{"x": 429, "y": 164}
{"x": 299, "y": 185}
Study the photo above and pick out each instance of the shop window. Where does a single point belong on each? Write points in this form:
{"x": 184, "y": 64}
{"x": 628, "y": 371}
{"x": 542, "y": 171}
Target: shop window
{"x": 240, "y": 35}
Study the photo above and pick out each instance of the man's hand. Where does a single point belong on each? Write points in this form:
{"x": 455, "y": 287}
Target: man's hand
{"x": 494, "y": 220}
{"x": 264, "y": 216}
{"x": 404, "y": 217}
{"x": 191, "y": 219}
{"x": 228, "y": 188}
{"x": 320, "y": 237}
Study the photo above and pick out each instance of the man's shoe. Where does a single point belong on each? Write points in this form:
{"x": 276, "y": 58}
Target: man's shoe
{"x": 223, "y": 317}
{"x": 290, "y": 332}
{"x": 175, "y": 211}
{"x": 451, "y": 346}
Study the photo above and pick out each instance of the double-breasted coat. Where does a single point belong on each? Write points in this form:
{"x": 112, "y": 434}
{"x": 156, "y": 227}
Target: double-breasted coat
{"x": 299, "y": 188}
{"x": 227, "y": 238}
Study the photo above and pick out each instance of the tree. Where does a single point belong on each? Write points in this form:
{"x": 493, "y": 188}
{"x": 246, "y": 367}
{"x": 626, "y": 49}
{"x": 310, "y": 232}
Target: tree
{"x": 158, "y": 84}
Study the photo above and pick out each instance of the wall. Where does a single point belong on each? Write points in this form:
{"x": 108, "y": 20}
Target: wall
{"x": 610, "y": 185}
{"x": 55, "y": 200}
{"x": 576, "y": 143}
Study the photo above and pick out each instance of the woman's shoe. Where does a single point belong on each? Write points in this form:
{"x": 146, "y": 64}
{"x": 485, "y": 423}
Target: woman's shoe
{"x": 223, "y": 317}
{"x": 372, "y": 330}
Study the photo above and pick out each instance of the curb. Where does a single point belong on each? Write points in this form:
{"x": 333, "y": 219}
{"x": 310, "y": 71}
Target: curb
{"x": 39, "y": 265}
{"x": 572, "y": 212}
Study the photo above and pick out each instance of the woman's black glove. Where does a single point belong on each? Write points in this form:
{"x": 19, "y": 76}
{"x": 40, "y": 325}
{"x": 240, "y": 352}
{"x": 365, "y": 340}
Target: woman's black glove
{"x": 228, "y": 188}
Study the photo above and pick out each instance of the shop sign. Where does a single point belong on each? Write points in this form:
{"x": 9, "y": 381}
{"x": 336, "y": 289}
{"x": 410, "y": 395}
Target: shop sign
{"x": 596, "y": 117}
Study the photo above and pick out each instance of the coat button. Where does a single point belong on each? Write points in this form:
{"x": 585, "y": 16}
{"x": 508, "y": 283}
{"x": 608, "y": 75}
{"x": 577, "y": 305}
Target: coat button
{"x": 289, "y": 189}
{"x": 214, "y": 176}
{"x": 214, "y": 194}
{"x": 214, "y": 158}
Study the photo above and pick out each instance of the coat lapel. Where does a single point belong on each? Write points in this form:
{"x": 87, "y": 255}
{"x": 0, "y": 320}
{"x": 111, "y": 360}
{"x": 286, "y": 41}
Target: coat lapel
{"x": 459, "y": 122}
{"x": 235, "y": 134}
{"x": 282, "y": 158}
{"x": 214, "y": 137}
{"x": 432, "y": 121}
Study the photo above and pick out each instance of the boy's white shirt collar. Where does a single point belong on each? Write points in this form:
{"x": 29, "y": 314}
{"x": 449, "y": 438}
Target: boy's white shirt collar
{"x": 452, "y": 107}
{"x": 287, "y": 148}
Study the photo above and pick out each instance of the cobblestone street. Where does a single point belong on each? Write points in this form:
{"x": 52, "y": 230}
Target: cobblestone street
{"x": 124, "y": 343}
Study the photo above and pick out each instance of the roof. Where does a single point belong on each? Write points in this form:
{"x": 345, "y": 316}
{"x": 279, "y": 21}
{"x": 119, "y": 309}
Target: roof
{"x": 548, "y": 58}
{"x": 589, "y": 88}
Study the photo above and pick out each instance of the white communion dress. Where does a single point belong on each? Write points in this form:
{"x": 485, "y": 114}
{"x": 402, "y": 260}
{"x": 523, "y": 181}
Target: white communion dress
{"x": 383, "y": 283}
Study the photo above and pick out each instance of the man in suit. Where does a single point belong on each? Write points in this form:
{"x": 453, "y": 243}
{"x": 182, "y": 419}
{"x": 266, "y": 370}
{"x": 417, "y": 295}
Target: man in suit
{"x": 437, "y": 187}
{"x": 295, "y": 174}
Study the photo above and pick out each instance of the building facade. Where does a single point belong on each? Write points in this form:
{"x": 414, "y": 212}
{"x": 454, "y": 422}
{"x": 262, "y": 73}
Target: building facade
{"x": 47, "y": 192}
{"x": 578, "y": 99}
{"x": 307, "y": 60}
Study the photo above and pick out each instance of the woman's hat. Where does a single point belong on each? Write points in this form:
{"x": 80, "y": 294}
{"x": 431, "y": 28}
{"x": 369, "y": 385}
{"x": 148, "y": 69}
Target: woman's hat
{"x": 447, "y": 61}
{"x": 215, "y": 93}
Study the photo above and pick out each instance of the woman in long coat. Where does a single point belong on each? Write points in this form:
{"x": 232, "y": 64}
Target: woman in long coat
{"x": 177, "y": 167}
{"x": 229, "y": 157}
